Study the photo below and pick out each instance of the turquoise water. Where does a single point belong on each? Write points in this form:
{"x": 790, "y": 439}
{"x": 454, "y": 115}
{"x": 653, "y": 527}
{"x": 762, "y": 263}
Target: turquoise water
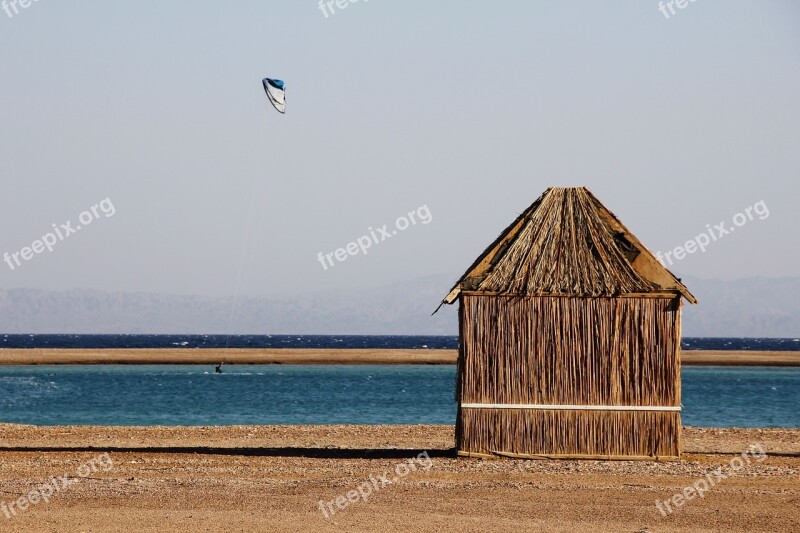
{"x": 333, "y": 394}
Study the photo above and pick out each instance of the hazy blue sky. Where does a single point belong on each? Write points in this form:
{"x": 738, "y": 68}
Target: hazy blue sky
{"x": 470, "y": 108}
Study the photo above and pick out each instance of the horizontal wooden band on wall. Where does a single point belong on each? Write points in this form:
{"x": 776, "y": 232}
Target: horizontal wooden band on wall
{"x": 569, "y": 407}
{"x": 660, "y": 294}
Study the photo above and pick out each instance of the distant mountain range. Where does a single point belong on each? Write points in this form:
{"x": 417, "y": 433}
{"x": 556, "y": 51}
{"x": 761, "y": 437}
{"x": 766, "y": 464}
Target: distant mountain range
{"x": 750, "y": 307}
{"x": 753, "y": 307}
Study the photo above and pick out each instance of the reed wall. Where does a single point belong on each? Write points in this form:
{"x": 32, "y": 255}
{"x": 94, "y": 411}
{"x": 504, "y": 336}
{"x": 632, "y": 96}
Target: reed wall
{"x": 602, "y": 351}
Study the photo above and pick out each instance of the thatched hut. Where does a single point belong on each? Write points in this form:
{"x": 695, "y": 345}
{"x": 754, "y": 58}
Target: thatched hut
{"x": 569, "y": 339}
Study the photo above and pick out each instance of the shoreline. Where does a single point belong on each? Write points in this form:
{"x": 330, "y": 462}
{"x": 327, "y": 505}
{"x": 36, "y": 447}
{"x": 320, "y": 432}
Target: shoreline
{"x": 317, "y": 356}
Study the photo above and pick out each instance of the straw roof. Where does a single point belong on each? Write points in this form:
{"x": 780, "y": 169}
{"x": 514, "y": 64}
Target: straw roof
{"x": 568, "y": 243}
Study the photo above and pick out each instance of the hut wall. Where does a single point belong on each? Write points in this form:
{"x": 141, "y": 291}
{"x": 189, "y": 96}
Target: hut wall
{"x": 565, "y": 351}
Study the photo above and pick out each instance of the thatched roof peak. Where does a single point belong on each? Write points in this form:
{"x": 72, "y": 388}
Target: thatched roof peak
{"x": 567, "y": 243}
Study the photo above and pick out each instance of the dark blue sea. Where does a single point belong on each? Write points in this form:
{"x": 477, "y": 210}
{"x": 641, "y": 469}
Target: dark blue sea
{"x": 333, "y": 394}
{"x": 324, "y": 341}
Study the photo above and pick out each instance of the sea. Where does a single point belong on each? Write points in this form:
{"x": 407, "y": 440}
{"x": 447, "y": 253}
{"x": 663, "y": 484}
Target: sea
{"x": 191, "y": 395}
{"x": 328, "y": 341}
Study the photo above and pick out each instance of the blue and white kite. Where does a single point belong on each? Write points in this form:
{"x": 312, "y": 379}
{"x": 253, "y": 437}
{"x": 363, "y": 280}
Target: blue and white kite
{"x": 276, "y": 92}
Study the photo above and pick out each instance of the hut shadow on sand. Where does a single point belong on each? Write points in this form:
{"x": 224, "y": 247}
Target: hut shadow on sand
{"x": 284, "y": 451}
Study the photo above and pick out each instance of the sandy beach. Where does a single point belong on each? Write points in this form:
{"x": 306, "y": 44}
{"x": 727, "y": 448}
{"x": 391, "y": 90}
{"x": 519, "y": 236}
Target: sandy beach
{"x": 328, "y": 356}
{"x": 272, "y": 478}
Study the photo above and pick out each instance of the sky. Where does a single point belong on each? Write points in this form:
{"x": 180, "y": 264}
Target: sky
{"x": 461, "y": 112}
